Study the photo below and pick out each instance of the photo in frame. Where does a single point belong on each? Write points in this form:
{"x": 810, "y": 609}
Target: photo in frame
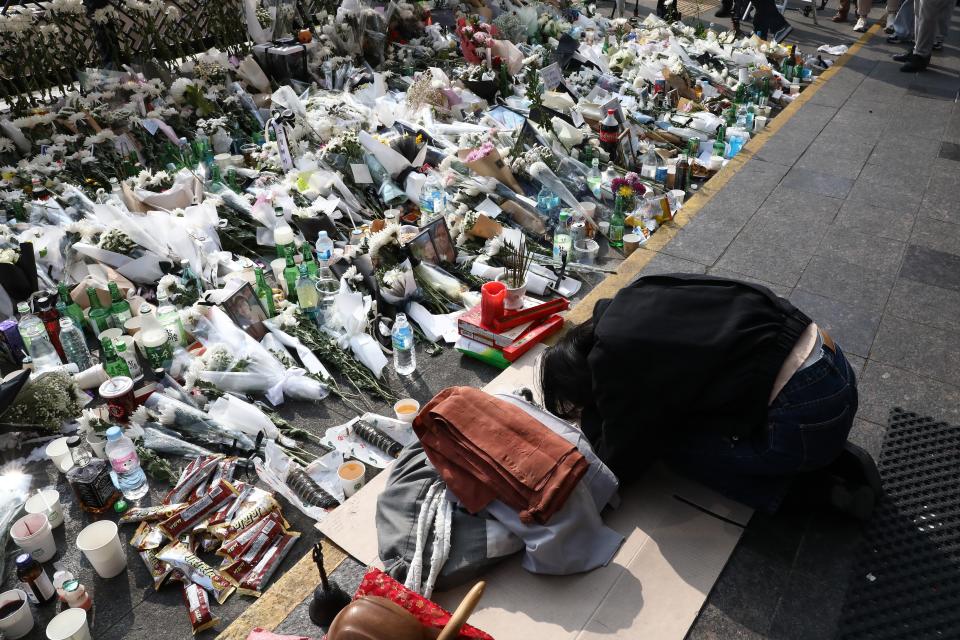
{"x": 433, "y": 244}
{"x": 244, "y": 308}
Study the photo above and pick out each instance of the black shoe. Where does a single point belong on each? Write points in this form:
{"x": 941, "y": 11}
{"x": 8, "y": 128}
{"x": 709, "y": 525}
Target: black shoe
{"x": 723, "y": 12}
{"x": 903, "y": 57}
{"x": 849, "y": 485}
{"x": 916, "y": 63}
{"x": 938, "y": 45}
{"x": 895, "y": 39}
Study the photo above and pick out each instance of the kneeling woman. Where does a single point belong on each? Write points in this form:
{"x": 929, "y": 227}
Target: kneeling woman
{"x": 721, "y": 379}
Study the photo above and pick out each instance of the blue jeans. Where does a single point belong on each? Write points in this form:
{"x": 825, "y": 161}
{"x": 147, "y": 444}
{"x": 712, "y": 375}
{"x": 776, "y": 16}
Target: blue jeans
{"x": 807, "y": 427}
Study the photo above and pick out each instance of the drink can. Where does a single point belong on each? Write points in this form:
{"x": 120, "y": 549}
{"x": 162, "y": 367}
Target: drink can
{"x": 578, "y": 232}
{"x": 661, "y": 175}
{"x": 118, "y": 394}
{"x": 659, "y": 86}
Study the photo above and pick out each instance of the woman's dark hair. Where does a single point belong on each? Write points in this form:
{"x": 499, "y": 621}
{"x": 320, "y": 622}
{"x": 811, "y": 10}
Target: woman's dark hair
{"x": 565, "y": 379}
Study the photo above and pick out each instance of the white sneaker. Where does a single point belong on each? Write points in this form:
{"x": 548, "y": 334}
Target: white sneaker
{"x": 861, "y": 25}
{"x": 889, "y": 26}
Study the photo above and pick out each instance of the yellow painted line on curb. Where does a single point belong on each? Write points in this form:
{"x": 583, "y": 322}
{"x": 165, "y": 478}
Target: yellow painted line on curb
{"x": 290, "y": 590}
{"x": 630, "y": 267}
{"x": 299, "y": 582}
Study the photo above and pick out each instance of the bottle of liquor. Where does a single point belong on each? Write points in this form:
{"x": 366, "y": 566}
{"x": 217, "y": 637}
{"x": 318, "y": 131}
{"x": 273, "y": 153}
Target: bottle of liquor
{"x": 170, "y": 319}
{"x": 307, "y": 296}
{"x": 51, "y": 321}
{"x": 617, "y": 222}
{"x": 720, "y": 145}
{"x": 306, "y": 255}
{"x": 594, "y": 179}
{"x": 120, "y": 308}
{"x": 282, "y": 233}
{"x": 290, "y": 275}
{"x": 90, "y": 479}
{"x": 610, "y": 133}
{"x": 136, "y": 371}
{"x": 75, "y": 345}
{"x": 682, "y": 178}
{"x": 155, "y": 339}
{"x": 34, "y": 576}
{"x": 73, "y": 310}
{"x": 648, "y": 164}
{"x": 98, "y": 317}
{"x": 35, "y": 340}
{"x": 265, "y": 293}
{"x": 113, "y": 364}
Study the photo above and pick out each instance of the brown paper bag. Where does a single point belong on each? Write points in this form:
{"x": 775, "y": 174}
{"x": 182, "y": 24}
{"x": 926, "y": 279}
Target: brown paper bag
{"x": 485, "y": 228}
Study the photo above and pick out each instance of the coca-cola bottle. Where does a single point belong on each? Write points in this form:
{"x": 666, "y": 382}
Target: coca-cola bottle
{"x": 610, "y": 133}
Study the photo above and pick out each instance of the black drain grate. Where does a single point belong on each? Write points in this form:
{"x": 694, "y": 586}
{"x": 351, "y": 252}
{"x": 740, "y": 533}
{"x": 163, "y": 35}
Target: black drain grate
{"x": 906, "y": 578}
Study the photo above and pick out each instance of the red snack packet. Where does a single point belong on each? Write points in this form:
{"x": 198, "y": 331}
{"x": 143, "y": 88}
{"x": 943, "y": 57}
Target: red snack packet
{"x": 198, "y": 608}
{"x": 198, "y": 511}
{"x": 255, "y": 580}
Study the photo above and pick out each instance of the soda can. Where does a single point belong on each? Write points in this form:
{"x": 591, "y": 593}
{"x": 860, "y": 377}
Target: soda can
{"x": 659, "y": 86}
{"x": 578, "y": 232}
{"x": 661, "y": 175}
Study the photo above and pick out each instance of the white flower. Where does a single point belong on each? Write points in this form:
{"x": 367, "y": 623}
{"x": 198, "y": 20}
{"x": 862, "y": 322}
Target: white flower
{"x": 9, "y": 256}
{"x": 389, "y": 234}
{"x": 105, "y": 15}
{"x": 65, "y": 6}
{"x": 6, "y": 145}
{"x": 102, "y": 136}
{"x": 140, "y": 416}
{"x": 352, "y": 275}
{"x": 178, "y": 88}
{"x": 166, "y": 285}
{"x": 86, "y": 229}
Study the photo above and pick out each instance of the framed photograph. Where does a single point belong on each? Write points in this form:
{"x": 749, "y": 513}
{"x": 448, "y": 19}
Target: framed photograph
{"x": 245, "y": 310}
{"x": 433, "y": 244}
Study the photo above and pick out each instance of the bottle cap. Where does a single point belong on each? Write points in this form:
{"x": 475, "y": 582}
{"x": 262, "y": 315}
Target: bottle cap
{"x": 71, "y": 585}
{"x": 114, "y": 433}
{"x": 120, "y": 505}
{"x": 66, "y": 323}
{"x": 74, "y": 441}
{"x": 23, "y": 307}
{"x": 24, "y": 560}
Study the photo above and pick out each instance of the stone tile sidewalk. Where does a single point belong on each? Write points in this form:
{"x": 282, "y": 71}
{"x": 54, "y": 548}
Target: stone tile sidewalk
{"x": 852, "y": 211}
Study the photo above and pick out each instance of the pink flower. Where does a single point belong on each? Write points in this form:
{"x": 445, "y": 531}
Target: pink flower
{"x": 480, "y": 152}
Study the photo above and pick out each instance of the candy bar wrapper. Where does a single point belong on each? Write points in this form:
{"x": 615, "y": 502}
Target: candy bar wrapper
{"x": 238, "y": 570}
{"x": 150, "y": 514}
{"x": 234, "y": 547}
{"x": 178, "y": 556}
{"x": 197, "y": 512}
{"x": 226, "y": 512}
{"x": 258, "y": 504}
{"x": 159, "y": 570}
{"x": 198, "y": 607}
{"x": 147, "y": 536}
{"x": 224, "y": 470}
{"x": 195, "y": 473}
{"x": 260, "y": 575}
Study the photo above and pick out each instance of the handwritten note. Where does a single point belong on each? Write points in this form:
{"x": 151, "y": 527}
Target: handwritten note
{"x": 551, "y": 76}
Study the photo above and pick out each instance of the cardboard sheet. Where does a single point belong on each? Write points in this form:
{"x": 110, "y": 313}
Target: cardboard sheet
{"x": 679, "y": 536}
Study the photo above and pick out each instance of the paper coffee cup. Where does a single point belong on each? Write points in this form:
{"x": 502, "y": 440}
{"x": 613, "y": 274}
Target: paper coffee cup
{"x": 69, "y": 625}
{"x": 406, "y": 410}
{"x": 46, "y": 502}
{"x": 631, "y": 242}
{"x": 111, "y": 334}
{"x": 352, "y": 476}
{"x": 19, "y": 622}
{"x": 100, "y": 543}
{"x": 33, "y": 534}
{"x": 59, "y": 454}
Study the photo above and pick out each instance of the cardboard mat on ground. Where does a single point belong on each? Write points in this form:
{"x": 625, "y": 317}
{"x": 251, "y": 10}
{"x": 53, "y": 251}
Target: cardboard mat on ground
{"x": 679, "y": 536}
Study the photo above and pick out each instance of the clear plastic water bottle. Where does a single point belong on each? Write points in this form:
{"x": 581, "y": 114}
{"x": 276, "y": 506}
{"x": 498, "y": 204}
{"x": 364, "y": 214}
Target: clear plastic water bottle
{"x": 594, "y": 179}
{"x": 74, "y": 345}
{"x": 122, "y": 454}
{"x": 404, "y": 358}
{"x": 324, "y": 248}
{"x": 433, "y": 198}
{"x": 36, "y": 340}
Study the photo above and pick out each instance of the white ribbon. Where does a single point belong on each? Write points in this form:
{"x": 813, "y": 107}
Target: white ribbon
{"x": 275, "y": 393}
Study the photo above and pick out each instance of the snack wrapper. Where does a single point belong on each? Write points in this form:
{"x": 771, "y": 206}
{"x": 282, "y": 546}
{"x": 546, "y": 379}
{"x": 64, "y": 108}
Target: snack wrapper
{"x": 195, "y": 473}
{"x": 198, "y": 511}
{"x": 234, "y": 547}
{"x": 198, "y": 607}
{"x": 178, "y": 556}
{"x": 159, "y": 570}
{"x": 260, "y": 575}
{"x": 150, "y": 514}
{"x": 147, "y": 536}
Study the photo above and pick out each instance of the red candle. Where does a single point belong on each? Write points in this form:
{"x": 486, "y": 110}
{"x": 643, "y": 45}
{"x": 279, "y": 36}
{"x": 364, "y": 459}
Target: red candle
{"x": 492, "y": 295}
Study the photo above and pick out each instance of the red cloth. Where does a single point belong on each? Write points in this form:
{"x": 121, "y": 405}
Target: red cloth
{"x": 429, "y": 613}
{"x": 486, "y": 449}
{"x": 263, "y": 634}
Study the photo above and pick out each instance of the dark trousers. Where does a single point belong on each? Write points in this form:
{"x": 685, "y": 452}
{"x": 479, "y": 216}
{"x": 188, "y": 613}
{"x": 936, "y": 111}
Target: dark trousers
{"x": 767, "y": 19}
{"x": 807, "y": 427}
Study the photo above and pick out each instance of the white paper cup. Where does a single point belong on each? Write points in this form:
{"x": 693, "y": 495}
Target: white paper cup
{"x": 98, "y": 444}
{"x": 585, "y": 251}
{"x": 69, "y": 625}
{"x": 20, "y": 622}
{"x": 759, "y": 123}
{"x": 408, "y": 414}
{"x": 352, "y": 476}
{"x": 111, "y": 334}
{"x": 277, "y": 266}
{"x": 675, "y": 197}
{"x": 716, "y": 162}
{"x": 100, "y": 543}
{"x": 589, "y": 208}
{"x": 33, "y": 534}
{"x": 59, "y": 454}
{"x": 48, "y": 504}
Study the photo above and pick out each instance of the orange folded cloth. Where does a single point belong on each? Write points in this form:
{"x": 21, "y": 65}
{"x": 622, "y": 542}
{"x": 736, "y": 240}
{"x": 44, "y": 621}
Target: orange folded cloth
{"x": 486, "y": 449}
